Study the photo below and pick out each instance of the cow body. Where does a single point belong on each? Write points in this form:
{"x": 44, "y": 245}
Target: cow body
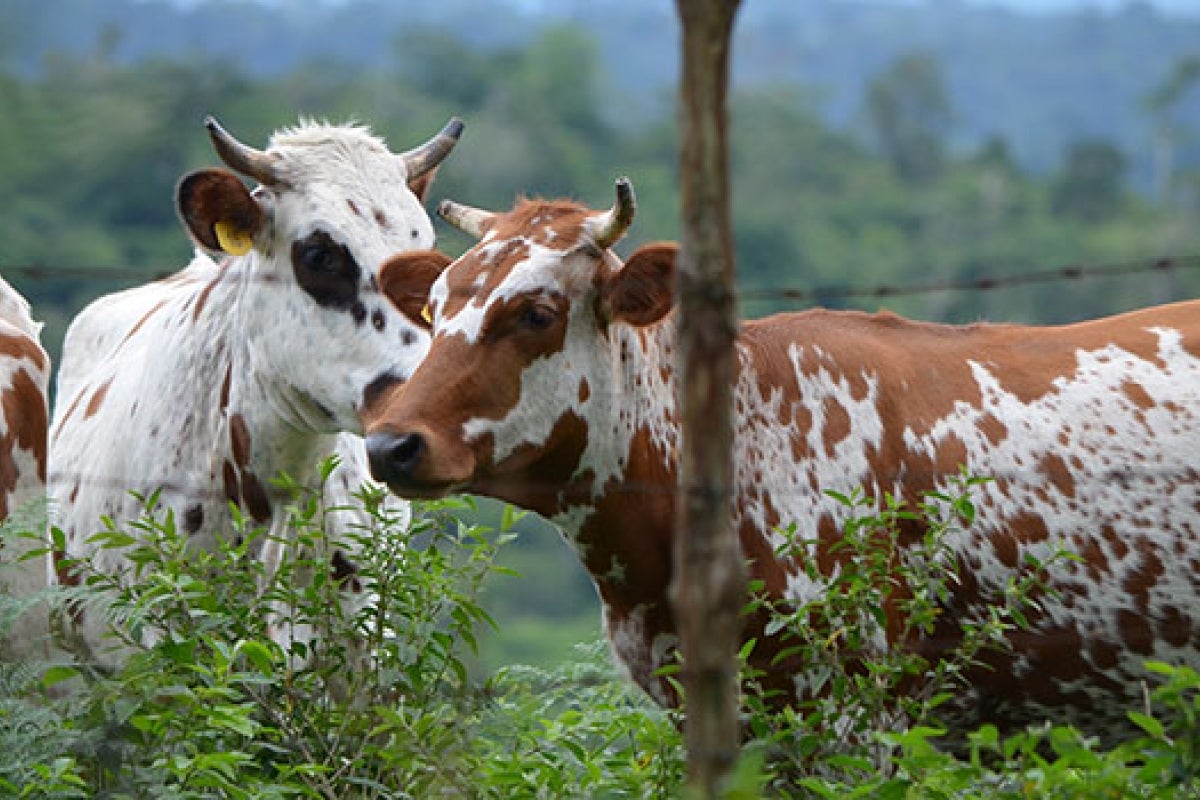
{"x": 205, "y": 386}
{"x": 551, "y": 384}
{"x": 24, "y": 378}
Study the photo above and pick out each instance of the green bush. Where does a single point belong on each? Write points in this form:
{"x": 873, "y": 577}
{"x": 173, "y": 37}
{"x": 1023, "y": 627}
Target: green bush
{"x": 382, "y": 705}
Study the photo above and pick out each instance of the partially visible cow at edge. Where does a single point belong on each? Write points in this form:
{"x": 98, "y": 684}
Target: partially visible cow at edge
{"x": 24, "y": 381}
{"x": 208, "y": 384}
{"x": 551, "y": 383}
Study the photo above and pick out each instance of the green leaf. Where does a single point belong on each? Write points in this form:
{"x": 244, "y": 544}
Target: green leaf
{"x": 58, "y": 674}
{"x": 1147, "y": 723}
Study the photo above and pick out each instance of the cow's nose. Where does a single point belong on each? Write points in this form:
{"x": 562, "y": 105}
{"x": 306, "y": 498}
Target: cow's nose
{"x": 394, "y": 456}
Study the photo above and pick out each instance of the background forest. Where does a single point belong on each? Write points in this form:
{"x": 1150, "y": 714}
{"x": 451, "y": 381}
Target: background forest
{"x": 874, "y": 145}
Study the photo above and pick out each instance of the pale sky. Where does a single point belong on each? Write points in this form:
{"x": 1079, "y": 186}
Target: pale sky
{"x": 1190, "y": 7}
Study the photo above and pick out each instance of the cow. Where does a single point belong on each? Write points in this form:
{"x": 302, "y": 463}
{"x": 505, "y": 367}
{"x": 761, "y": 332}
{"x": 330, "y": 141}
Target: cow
{"x": 551, "y": 384}
{"x": 24, "y": 384}
{"x": 254, "y": 360}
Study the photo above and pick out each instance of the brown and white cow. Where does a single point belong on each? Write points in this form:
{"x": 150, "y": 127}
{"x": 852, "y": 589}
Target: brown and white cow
{"x": 24, "y": 379}
{"x": 207, "y": 385}
{"x": 551, "y": 383}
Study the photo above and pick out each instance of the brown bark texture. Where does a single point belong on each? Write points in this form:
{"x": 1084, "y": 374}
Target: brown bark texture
{"x": 709, "y": 585}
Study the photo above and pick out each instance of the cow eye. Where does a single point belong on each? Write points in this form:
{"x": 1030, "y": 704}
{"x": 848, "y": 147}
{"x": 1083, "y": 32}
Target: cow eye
{"x": 538, "y": 317}
{"x": 319, "y": 258}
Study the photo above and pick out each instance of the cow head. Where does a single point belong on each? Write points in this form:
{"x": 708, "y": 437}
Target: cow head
{"x": 525, "y": 343}
{"x": 306, "y": 247}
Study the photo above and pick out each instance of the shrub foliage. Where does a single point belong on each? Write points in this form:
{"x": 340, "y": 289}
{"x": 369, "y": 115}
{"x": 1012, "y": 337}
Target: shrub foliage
{"x": 382, "y": 702}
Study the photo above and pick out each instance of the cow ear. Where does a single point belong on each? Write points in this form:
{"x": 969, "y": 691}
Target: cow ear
{"x": 644, "y": 291}
{"x": 406, "y": 279}
{"x": 420, "y": 186}
{"x": 217, "y": 209}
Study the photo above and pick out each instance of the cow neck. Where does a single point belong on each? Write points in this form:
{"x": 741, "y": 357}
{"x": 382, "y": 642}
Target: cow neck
{"x": 264, "y": 427}
{"x": 623, "y": 529}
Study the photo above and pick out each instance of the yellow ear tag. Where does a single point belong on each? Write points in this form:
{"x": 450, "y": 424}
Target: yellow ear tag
{"x": 425, "y": 315}
{"x": 233, "y": 241}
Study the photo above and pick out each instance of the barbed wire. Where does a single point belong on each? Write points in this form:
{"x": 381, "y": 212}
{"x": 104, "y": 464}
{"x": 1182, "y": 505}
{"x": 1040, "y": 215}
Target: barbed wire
{"x": 977, "y": 283}
{"x": 981, "y": 283}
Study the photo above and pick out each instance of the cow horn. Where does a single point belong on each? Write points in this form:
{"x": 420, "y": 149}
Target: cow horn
{"x": 254, "y": 163}
{"x": 425, "y": 157}
{"x": 471, "y": 221}
{"x": 608, "y": 228}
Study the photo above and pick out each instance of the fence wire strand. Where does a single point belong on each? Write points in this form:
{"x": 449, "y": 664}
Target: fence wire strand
{"x": 795, "y": 294}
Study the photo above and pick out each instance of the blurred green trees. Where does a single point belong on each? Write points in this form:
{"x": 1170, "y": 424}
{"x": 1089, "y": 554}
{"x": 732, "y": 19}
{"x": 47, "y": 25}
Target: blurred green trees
{"x": 91, "y": 147}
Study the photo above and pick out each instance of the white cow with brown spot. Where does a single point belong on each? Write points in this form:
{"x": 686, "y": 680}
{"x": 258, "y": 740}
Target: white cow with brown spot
{"x": 207, "y": 385}
{"x": 551, "y": 383}
{"x": 24, "y": 379}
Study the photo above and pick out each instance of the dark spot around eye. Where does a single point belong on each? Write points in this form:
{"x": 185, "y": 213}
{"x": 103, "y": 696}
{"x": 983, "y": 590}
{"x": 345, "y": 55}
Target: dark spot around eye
{"x": 359, "y": 312}
{"x": 408, "y": 338}
{"x": 326, "y": 270}
{"x": 382, "y": 219}
{"x": 378, "y": 320}
{"x": 416, "y": 234}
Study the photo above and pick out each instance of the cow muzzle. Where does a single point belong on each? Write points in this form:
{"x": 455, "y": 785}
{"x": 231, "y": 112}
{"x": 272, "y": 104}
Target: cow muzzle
{"x": 397, "y": 459}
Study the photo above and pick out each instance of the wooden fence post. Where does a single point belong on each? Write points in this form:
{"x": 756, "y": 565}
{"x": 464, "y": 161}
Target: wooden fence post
{"x": 708, "y": 588}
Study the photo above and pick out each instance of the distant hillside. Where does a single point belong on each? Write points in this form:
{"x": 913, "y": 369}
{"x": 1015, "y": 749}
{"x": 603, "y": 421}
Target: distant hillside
{"x": 1039, "y": 82}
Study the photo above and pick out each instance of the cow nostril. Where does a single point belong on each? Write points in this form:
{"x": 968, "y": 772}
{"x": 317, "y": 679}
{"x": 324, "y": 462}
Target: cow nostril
{"x": 407, "y": 450}
{"x": 394, "y": 456}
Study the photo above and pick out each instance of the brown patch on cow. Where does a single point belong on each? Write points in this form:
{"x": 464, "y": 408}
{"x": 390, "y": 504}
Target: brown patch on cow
{"x": 202, "y": 297}
{"x": 992, "y": 428}
{"x": 1093, "y": 557}
{"x": 1029, "y": 527}
{"x": 20, "y": 347}
{"x": 837, "y": 425}
{"x": 1143, "y": 578}
{"x": 239, "y": 440}
{"x": 1136, "y": 632}
{"x": 1054, "y": 468}
{"x": 531, "y": 476}
{"x": 137, "y": 326}
{"x": 71, "y": 410}
{"x": 557, "y": 224}
{"x": 254, "y": 498}
{"x": 1104, "y": 654}
{"x": 223, "y": 402}
{"x": 229, "y": 479}
{"x": 1175, "y": 627}
{"x": 97, "y": 399}
{"x": 1119, "y": 548}
{"x": 1006, "y": 551}
{"x": 1137, "y": 395}
{"x": 585, "y": 391}
{"x": 1035, "y": 358}
{"x": 24, "y": 408}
